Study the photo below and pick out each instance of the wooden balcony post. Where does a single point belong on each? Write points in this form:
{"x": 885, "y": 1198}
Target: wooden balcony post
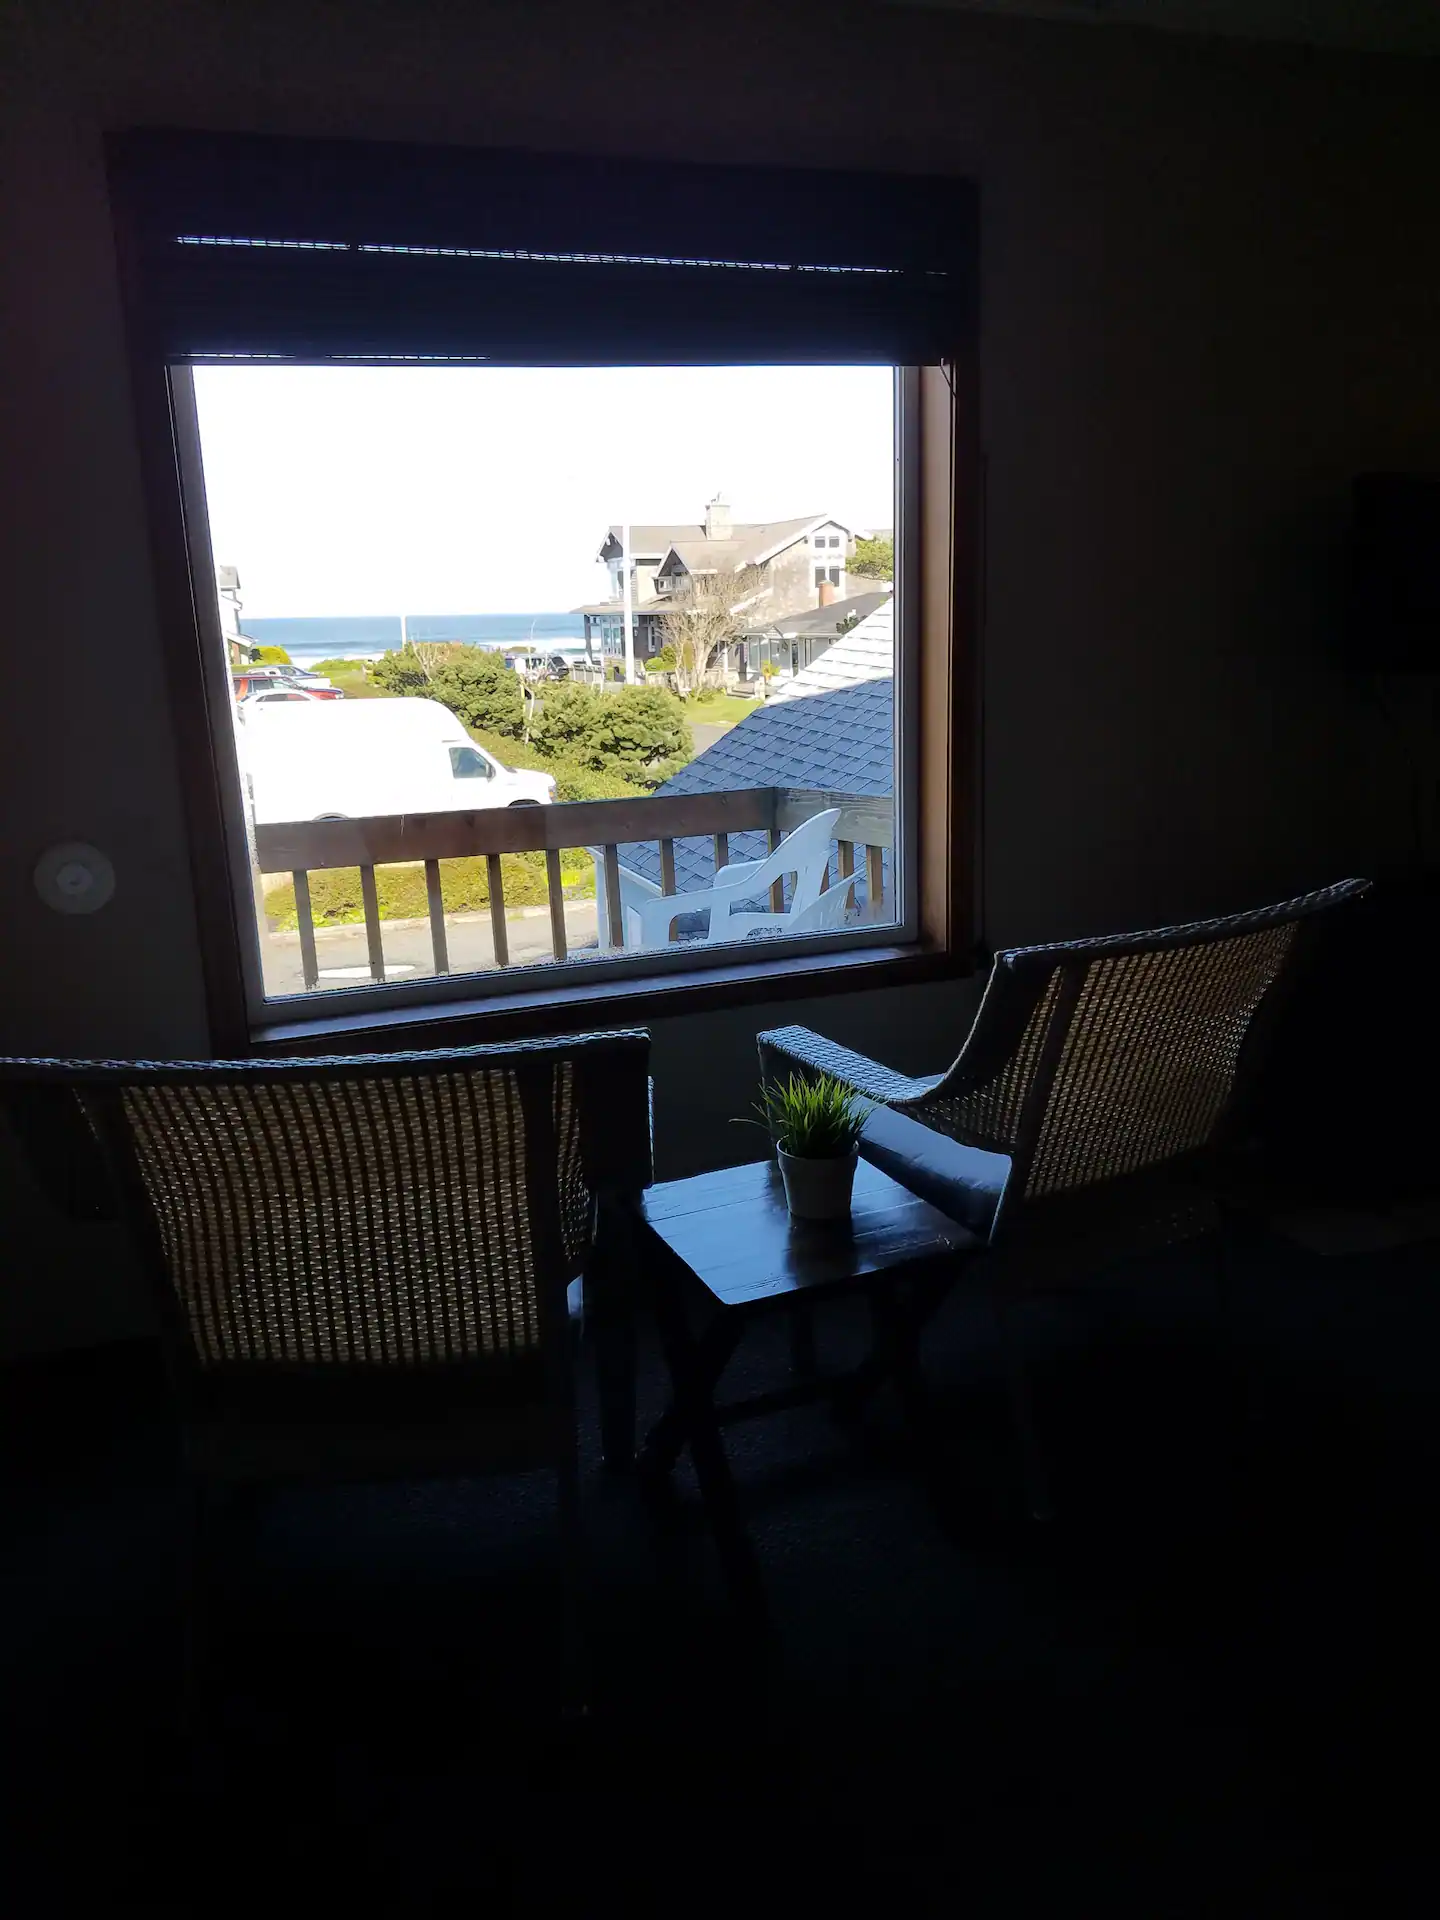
{"x": 304, "y": 920}
{"x": 372, "y": 923}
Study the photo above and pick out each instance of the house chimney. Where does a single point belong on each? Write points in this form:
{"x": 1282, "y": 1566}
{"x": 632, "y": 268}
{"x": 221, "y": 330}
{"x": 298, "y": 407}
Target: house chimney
{"x": 828, "y": 595}
{"x": 717, "y": 520}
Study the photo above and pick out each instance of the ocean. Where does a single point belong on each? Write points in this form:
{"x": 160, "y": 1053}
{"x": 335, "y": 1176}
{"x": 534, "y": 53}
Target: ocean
{"x": 355, "y": 635}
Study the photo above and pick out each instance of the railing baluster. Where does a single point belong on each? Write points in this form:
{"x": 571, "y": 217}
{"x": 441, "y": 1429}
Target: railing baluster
{"x": 722, "y": 850}
{"x": 556, "y": 888}
{"x": 777, "y": 887}
{"x": 498, "y": 931}
{"x": 310, "y": 966}
{"x": 845, "y": 849}
{"x": 667, "y": 878}
{"x": 613, "y": 910}
{"x": 437, "y": 916}
{"x": 875, "y": 882}
{"x": 372, "y": 924}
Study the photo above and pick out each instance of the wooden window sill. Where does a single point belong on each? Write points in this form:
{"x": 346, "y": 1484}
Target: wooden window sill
{"x": 572, "y": 1006}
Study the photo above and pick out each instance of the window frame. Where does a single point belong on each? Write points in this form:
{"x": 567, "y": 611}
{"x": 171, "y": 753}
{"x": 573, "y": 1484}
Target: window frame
{"x": 937, "y": 606}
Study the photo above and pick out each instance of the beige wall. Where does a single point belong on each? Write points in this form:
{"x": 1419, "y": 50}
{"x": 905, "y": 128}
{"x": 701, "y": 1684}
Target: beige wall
{"x": 1209, "y": 297}
{"x": 792, "y": 580}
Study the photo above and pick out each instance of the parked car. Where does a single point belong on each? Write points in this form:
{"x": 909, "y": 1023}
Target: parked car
{"x": 313, "y": 760}
{"x": 539, "y": 666}
{"x": 252, "y": 680}
{"x": 270, "y": 696}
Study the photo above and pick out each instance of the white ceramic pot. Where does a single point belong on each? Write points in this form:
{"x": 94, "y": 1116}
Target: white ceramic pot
{"x": 818, "y": 1189}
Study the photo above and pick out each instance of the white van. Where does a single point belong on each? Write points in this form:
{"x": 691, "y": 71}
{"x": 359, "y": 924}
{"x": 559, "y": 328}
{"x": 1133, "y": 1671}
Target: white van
{"x": 343, "y": 759}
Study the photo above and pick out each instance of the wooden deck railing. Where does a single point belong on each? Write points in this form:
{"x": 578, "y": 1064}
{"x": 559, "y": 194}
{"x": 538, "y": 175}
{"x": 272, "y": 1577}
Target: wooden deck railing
{"x": 302, "y": 847}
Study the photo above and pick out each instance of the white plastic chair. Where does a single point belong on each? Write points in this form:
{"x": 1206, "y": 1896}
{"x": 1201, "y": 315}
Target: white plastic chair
{"x": 805, "y": 853}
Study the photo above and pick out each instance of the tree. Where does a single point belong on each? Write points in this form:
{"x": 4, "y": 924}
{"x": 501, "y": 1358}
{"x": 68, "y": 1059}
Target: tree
{"x": 635, "y": 732}
{"x": 873, "y": 559}
{"x": 481, "y": 690}
{"x": 272, "y": 657}
{"x": 566, "y": 720}
{"x": 642, "y": 734}
{"x": 700, "y": 620}
{"x": 416, "y": 665}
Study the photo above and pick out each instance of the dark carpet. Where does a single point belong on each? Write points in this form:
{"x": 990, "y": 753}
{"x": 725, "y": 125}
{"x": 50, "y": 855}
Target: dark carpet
{"x": 1208, "y": 1687}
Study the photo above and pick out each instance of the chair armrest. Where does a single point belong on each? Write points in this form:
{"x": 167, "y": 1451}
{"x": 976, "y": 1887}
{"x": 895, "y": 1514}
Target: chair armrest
{"x": 786, "y": 1049}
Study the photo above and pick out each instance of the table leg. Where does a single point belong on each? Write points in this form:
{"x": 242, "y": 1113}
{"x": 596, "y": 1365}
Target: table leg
{"x": 695, "y": 1367}
{"x": 899, "y": 1326}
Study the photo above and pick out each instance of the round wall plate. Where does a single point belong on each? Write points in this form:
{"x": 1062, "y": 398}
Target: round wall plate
{"x": 74, "y": 877}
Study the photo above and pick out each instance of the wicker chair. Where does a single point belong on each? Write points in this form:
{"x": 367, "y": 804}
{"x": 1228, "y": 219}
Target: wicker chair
{"x": 1096, "y": 1079}
{"x": 361, "y": 1265}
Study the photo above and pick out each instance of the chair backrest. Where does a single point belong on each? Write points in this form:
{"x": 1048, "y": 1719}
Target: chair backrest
{"x": 392, "y": 1211}
{"x": 1092, "y": 1059}
{"x": 805, "y": 852}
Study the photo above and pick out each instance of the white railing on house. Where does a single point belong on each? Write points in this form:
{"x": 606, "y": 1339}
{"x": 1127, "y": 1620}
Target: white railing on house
{"x": 299, "y": 848}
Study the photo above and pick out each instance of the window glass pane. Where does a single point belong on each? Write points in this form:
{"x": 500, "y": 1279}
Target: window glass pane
{"x": 351, "y": 507}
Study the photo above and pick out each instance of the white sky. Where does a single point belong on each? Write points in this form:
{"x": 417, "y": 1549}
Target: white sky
{"x": 488, "y": 490}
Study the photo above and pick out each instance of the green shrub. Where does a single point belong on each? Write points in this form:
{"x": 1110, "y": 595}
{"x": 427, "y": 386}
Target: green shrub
{"x": 401, "y": 672}
{"x": 272, "y": 657}
{"x": 584, "y": 783}
{"x": 477, "y": 686}
{"x": 662, "y": 662}
{"x": 627, "y": 732}
{"x": 568, "y": 716}
{"x": 336, "y": 899}
{"x": 572, "y": 781}
{"x": 483, "y": 692}
{"x": 640, "y": 726}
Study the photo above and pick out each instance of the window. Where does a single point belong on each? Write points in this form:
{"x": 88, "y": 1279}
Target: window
{"x": 292, "y": 378}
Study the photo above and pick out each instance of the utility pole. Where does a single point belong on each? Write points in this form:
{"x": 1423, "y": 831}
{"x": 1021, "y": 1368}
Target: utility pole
{"x": 629, "y": 607}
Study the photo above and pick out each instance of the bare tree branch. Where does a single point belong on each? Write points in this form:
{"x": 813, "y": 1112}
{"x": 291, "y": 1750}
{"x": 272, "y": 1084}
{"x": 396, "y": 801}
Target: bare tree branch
{"x": 700, "y": 619}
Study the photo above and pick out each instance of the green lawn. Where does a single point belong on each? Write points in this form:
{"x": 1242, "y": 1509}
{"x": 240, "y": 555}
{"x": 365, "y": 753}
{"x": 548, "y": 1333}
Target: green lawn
{"x": 716, "y": 709}
{"x": 352, "y": 677}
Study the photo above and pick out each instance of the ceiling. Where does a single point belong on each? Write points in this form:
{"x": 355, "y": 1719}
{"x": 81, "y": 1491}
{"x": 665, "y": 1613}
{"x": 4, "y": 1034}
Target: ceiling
{"x": 1396, "y": 26}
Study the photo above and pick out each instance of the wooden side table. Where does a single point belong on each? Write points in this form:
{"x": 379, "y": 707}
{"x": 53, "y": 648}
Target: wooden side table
{"x": 722, "y": 1248}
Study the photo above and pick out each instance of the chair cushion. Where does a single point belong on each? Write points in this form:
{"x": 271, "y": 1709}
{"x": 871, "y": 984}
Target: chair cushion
{"x": 966, "y": 1183}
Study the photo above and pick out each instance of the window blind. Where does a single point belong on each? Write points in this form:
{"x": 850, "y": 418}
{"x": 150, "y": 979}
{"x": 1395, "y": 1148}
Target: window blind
{"x": 248, "y": 247}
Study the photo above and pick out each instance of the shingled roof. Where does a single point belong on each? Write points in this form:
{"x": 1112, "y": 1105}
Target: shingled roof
{"x": 866, "y": 652}
{"x": 749, "y": 542}
{"x": 830, "y": 730}
{"x": 823, "y": 620}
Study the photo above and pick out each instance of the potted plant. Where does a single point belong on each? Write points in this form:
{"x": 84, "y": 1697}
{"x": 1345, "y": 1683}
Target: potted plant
{"x": 815, "y": 1125}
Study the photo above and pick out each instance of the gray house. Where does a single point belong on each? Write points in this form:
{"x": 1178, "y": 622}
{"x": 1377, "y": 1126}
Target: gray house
{"x": 802, "y": 564}
{"x": 792, "y": 642}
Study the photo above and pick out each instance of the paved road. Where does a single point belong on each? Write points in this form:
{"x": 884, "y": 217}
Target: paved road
{"x": 706, "y": 733}
{"x": 344, "y": 955}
